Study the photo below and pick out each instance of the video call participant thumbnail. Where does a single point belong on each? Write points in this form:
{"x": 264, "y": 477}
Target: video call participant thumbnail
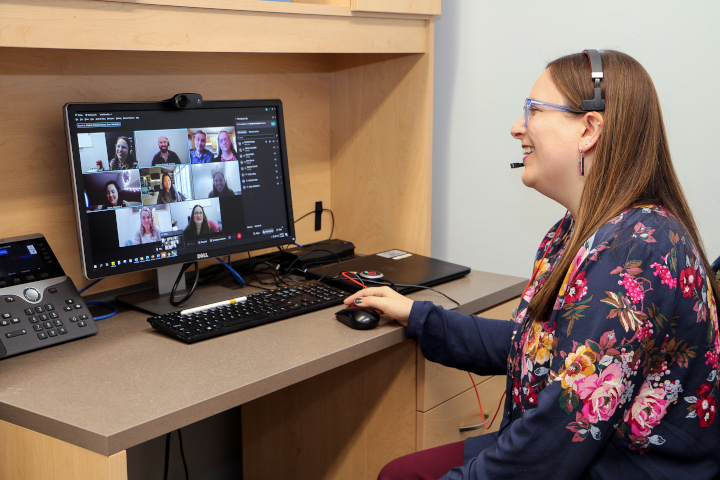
{"x": 220, "y": 186}
{"x": 170, "y": 184}
{"x": 211, "y": 180}
{"x": 198, "y": 153}
{"x": 165, "y": 156}
{"x": 167, "y": 193}
{"x": 112, "y": 193}
{"x": 123, "y": 157}
{"x": 149, "y": 231}
{"x": 226, "y": 151}
{"x": 198, "y": 224}
{"x": 197, "y": 219}
{"x": 105, "y": 190}
{"x": 138, "y": 225}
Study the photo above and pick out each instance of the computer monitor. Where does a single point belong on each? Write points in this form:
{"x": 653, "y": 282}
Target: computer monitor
{"x": 156, "y": 185}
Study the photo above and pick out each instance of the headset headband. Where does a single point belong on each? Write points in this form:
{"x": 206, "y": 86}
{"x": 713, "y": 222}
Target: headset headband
{"x": 597, "y": 103}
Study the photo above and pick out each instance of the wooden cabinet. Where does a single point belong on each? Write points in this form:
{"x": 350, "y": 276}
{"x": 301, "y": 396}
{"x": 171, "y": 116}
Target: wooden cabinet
{"x": 355, "y": 78}
{"x": 356, "y": 85}
{"x": 447, "y": 403}
{"x": 345, "y": 424}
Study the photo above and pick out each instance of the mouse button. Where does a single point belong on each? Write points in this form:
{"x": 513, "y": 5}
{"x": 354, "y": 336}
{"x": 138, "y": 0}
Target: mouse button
{"x": 368, "y": 316}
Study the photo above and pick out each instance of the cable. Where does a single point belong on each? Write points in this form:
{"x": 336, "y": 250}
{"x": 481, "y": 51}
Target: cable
{"x": 182, "y": 455}
{"x": 167, "y": 455}
{"x": 482, "y": 414}
{"x": 104, "y": 304}
{"x": 91, "y": 285}
{"x": 238, "y": 279}
{"x": 180, "y": 276}
{"x": 358, "y": 281}
{"x": 394, "y": 286}
{"x": 332, "y": 215}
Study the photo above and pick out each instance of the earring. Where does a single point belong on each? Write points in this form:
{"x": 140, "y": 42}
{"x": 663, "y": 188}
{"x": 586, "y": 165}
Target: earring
{"x": 582, "y": 163}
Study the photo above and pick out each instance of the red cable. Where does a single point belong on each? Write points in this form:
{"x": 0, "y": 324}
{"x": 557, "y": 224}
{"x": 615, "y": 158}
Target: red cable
{"x": 482, "y": 414}
{"x": 477, "y": 394}
{"x": 345, "y": 274}
{"x": 537, "y": 267}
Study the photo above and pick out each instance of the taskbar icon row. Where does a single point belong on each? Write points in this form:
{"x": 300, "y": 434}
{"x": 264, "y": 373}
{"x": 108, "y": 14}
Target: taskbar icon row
{"x": 146, "y": 258}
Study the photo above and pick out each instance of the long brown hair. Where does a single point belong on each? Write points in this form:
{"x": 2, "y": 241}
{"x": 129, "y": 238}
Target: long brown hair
{"x": 632, "y": 164}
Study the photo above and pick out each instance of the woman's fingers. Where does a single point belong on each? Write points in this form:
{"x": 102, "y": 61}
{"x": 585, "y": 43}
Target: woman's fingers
{"x": 385, "y": 300}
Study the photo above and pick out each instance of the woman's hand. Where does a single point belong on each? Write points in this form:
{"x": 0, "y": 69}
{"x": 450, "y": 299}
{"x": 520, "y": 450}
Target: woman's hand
{"x": 385, "y": 300}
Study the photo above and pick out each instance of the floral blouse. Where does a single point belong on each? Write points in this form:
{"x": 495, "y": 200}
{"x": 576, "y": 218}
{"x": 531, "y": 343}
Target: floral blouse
{"x": 621, "y": 380}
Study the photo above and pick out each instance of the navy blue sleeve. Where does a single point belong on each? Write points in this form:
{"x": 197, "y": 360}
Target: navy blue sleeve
{"x": 466, "y": 342}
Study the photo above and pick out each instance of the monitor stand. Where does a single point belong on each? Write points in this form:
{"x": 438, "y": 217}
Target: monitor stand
{"x": 155, "y": 299}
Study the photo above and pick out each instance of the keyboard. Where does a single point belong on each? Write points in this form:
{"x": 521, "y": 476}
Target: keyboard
{"x": 256, "y": 309}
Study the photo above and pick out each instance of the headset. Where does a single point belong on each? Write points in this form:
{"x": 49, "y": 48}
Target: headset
{"x": 597, "y": 104}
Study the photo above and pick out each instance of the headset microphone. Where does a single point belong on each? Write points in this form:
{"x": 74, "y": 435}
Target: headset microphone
{"x": 517, "y": 165}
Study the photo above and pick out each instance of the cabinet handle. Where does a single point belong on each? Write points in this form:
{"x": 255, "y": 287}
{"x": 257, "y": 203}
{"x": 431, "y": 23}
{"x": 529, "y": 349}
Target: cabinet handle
{"x": 470, "y": 428}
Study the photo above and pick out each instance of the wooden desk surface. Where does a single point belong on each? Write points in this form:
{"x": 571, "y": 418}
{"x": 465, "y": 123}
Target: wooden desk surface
{"x": 129, "y": 383}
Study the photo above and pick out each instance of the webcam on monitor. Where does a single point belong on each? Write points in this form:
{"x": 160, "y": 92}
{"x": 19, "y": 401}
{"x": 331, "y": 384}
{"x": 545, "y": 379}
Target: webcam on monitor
{"x": 187, "y": 100}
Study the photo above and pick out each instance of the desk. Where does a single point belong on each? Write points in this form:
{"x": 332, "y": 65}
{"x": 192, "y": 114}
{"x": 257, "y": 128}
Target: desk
{"x": 94, "y": 398}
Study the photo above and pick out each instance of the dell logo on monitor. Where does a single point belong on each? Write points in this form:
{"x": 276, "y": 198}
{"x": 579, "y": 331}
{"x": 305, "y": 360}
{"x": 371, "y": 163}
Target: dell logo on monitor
{"x": 202, "y": 255}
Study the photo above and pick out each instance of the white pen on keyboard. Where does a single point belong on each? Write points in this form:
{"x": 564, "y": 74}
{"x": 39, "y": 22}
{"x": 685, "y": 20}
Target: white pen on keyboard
{"x": 232, "y": 301}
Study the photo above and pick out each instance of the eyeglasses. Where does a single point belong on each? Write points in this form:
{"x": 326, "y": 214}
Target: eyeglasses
{"x": 530, "y": 103}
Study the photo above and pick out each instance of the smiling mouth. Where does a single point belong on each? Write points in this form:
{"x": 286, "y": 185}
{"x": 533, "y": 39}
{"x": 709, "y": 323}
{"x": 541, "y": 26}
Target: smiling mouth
{"x": 528, "y": 150}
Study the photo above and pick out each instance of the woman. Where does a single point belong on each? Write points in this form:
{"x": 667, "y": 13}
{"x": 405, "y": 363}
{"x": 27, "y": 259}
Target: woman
{"x": 198, "y": 224}
{"x": 112, "y": 194}
{"x": 148, "y": 232}
{"x": 123, "y": 159}
{"x": 227, "y": 150}
{"x": 612, "y": 359}
{"x": 220, "y": 188}
{"x": 167, "y": 193}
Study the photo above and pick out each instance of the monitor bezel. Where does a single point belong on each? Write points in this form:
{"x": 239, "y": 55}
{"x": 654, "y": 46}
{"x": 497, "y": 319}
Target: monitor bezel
{"x": 81, "y": 215}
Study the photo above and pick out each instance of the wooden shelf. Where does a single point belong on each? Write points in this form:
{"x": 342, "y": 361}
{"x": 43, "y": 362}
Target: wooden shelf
{"x": 176, "y": 25}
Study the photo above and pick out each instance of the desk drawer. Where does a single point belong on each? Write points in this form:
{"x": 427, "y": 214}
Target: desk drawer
{"x": 437, "y": 384}
{"x": 441, "y": 425}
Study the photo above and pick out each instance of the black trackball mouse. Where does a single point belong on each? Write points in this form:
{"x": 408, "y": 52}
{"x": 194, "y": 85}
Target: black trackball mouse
{"x": 359, "y": 318}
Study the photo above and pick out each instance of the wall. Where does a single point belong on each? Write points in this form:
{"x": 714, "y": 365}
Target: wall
{"x": 487, "y": 57}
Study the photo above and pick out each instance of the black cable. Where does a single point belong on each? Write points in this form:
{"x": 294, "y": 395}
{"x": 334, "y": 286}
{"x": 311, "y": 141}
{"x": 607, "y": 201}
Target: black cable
{"x": 182, "y": 455}
{"x": 269, "y": 269}
{"x": 332, "y": 215}
{"x": 387, "y": 283}
{"x": 167, "y": 455}
{"x": 180, "y": 276}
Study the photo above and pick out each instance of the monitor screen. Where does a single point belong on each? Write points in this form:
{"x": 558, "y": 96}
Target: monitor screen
{"x": 156, "y": 185}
